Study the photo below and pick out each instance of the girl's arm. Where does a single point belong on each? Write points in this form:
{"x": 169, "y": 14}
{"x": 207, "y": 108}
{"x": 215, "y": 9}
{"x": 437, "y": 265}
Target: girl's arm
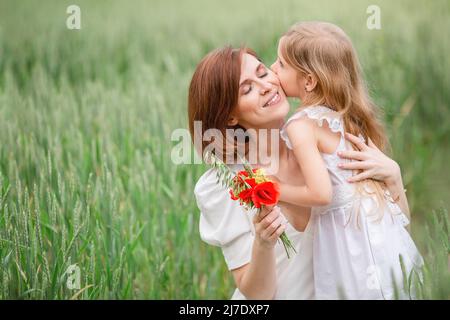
{"x": 257, "y": 279}
{"x": 317, "y": 190}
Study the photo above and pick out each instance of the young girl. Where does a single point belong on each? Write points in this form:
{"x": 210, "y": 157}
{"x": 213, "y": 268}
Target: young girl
{"x": 359, "y": 229}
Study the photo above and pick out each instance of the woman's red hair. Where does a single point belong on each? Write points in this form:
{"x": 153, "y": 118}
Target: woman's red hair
{"x": 214, "y": 90}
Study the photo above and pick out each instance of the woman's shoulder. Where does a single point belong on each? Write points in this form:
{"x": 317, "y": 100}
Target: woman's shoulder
{"x": 208, "y": 189}
{"x": 223, "y": 221}
{"x": 205, "y": 182}
{"x": 213, "y": 198}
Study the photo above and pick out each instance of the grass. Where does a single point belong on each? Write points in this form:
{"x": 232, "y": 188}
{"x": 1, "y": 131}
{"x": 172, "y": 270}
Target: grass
{"x": 86, "y": 118}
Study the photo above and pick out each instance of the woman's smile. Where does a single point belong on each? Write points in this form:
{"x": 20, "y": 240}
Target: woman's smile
{"x": 274, "y": 99}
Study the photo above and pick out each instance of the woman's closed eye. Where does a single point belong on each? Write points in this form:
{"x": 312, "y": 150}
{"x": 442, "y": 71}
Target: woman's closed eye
{"x": 264, "y": 71}
{"x": 249, "y": 87}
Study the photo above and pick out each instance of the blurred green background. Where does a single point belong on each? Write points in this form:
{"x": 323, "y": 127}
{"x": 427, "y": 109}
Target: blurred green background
{"x": 86, "y": 118}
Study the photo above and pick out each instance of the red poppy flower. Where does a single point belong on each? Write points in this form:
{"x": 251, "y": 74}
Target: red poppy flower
{"x": 266, "y": 193}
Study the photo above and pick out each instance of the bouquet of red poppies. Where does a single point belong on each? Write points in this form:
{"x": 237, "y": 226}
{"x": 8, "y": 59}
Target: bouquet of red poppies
{"x": 251, "y": 188}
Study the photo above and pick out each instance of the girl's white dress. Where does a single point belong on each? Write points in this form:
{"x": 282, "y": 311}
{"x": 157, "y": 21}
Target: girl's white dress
{"x": 356, "y": 256}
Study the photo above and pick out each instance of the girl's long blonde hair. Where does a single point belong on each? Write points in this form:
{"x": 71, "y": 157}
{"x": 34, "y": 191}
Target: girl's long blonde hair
{"x": 324, "y": 51}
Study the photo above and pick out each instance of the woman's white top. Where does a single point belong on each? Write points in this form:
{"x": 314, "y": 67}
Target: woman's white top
{"x": 356, "y": 255}
{"x": 226, "y": 224}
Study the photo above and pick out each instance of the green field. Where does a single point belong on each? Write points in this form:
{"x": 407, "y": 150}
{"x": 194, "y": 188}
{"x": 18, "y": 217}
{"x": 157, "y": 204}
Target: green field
{"x": 86, "y": 118}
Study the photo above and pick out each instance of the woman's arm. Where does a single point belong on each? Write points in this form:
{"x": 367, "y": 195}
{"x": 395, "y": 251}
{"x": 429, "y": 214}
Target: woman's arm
{"x": 317, "y": 190}
{"x": 257, "y": 279}
{"x": 375, "y": 165}
{"x": 249, "y": 254}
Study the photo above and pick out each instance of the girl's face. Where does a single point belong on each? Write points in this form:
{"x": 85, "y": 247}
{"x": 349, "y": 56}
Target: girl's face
{"x": 292, "y": 84}
{"x": 262, "y": 102}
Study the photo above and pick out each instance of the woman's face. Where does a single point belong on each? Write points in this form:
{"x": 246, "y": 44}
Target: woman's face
{"x": 262, "y": 102}
{"x": 289, "y": 80}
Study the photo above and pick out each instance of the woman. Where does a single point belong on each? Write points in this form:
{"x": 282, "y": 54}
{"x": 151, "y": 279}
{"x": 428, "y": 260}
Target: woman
{"x": 232, "y": 89}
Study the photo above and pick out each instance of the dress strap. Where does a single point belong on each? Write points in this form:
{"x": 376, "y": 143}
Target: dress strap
{"x": 320, "y": 114}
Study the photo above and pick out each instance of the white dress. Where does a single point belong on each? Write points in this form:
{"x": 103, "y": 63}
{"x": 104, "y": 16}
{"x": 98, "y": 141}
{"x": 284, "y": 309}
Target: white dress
{"x": 356, "y": 256}
{"x": 224, "y": 223}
